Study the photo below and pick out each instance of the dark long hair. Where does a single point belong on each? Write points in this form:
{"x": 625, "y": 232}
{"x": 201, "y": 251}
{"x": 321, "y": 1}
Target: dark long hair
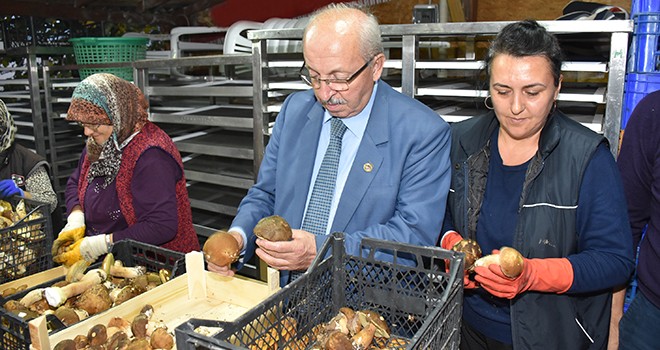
{"x": 526, "y": 38}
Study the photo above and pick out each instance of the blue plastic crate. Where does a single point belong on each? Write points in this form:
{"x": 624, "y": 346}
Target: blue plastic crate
{"x": 637, "y": 86}
{"x": 644, "y": 55}
{"x": 644, "y": 6}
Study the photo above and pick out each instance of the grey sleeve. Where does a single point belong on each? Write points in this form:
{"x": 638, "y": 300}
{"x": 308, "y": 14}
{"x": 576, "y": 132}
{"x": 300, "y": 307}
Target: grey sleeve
{"x": 40, "y": 187}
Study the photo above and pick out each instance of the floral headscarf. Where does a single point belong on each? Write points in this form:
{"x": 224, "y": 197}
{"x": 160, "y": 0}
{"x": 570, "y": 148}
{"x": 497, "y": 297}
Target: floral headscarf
{"x": 7, "y": 128}
{"x": 108, "y": 100}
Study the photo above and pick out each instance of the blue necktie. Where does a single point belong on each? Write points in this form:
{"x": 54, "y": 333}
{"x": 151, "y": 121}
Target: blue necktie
{"x": 318, "y": 209}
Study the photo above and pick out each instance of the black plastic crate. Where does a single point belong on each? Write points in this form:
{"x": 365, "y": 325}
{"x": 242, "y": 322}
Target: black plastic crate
{"x": 421, "y": 303}
{"x": 25, "y": 245}
{"x": 14, "y": 330}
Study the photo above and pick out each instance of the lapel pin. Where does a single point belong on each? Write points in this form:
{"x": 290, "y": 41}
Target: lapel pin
{"x": 368, "y": 167}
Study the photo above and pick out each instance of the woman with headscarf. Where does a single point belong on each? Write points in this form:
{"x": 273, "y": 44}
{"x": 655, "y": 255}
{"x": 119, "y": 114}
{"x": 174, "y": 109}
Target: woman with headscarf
{"x": 129, "y": 183}
{"x": 23, "y": 172}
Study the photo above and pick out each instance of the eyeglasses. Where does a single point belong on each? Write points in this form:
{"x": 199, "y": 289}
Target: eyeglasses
{"x": 93, "y": 127}
{"x": 334, "y": 84}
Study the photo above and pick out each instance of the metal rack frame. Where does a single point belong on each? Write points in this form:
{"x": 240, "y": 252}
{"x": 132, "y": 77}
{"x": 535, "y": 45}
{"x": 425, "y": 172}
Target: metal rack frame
{"x": 411, "y": 38}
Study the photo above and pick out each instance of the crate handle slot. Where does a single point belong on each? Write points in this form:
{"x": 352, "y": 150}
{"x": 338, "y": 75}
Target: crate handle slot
{"x": 338, "y": 241}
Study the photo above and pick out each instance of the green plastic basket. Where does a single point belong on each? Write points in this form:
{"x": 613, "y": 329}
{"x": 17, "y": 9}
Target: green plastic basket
{"x": 109, "y": 50}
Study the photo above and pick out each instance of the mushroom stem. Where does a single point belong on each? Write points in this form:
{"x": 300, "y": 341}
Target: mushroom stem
{"x": 127, "y": 272}
{"x": 32, "y": 297}
{"x": 56, "y": 296}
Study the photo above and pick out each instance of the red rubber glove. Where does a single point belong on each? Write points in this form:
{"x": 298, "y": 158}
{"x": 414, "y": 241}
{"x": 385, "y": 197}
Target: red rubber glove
{"x": 448, "y": 241}
{"x": 551, "y": 275}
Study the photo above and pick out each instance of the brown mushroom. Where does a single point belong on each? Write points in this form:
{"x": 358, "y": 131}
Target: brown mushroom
{"x": 161, "y": 339}
{"x": 66, "y": 344}
{"x": 124, "y": 294}
{"x": 221, "y": 249}
{"x": 363, "y": 338}
{"x": 18, "y": 309}
{"x": 94, "y": 300}
{"x": 147, "y": 310}
{"x": 338, "y": 341}
{"x": 119, "y": 340}
{"x": 354, "y": 325}
{"x": 471, "y": 249}
{"x": 338, "y": 323}
{"x": 67, "y": 315}
{"x": 139, "y": 326}
{"x": 510, "y": 261}
{"x": 97, "y": 335}
{"x": 81, "y": 341}
{"x": 370, "y": 316}
{"x": 120, "y": 323}
{"x": 40, "y": 306}
{"x": 273, "y": 228}
{"x": 139, "y": 344}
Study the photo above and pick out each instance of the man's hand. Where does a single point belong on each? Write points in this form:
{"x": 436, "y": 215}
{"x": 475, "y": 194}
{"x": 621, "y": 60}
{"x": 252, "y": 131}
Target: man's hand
{"x": 296, "y": 254}
{"x": 8, "y": 188}
{"x": 89, "y": 248}
{"x": 73, "y": 231}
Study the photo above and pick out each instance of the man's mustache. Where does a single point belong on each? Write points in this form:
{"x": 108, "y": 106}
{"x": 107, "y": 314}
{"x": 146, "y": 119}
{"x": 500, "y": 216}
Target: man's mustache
{"x": 334, "y": 101}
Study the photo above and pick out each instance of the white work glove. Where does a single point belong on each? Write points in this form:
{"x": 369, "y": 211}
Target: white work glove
{"x": 89, "y": 248}
{"x": 73, "y": 231}
{"x": 75, "y": 220}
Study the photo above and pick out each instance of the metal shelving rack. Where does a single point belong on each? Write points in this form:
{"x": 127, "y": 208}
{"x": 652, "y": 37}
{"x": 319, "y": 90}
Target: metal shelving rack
{"x": 208, "y": 112}
{"x": 439, "y": 64}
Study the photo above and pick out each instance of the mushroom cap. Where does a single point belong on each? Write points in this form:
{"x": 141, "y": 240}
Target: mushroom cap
{"x": 161, "y": 339}
{"x": 67, "y": 315}
{"x": 511, "y": 262}
{"x": 273, "y": 228}
{"x": 369, "y": 316}
{"x": 139, "y": 326}
{"x": 97, "y": 335}
{"x": 471, "y": 249}
{"x": 66, "y": 344}
{"x": 338, "y": 341}
{"x": 221, "y": 249}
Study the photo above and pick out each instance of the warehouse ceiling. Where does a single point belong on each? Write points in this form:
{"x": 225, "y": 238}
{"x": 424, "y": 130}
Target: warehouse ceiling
{"x": 134, "y": 12}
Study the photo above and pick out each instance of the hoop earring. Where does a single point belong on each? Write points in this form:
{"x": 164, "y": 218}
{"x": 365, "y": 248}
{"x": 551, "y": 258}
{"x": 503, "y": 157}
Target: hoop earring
{"x": 486, "y": 102}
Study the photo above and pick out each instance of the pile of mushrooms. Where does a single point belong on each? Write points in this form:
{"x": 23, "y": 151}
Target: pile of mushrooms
{"x": 82, "y": 294}
{"x": 16, "y": 245}
{"x": 356, "y": 330}
{"x": 348, "y": 330}
{"x": 119, "y": 334}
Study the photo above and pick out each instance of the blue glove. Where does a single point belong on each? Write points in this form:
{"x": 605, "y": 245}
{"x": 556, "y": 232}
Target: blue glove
{"x": 8, "y": 188}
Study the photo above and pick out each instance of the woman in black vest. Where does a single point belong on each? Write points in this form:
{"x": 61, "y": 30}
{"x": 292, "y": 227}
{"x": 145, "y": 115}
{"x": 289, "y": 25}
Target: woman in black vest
{"x": 22, "y": 172}
{"x": 527, "y": 176}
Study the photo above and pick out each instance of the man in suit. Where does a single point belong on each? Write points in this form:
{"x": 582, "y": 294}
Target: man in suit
{"x": 393, "y": 172}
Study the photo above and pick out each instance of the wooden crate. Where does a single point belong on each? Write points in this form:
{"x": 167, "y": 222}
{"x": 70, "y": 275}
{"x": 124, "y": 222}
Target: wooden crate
{"x": 36, "y": 279}
{"x": 195, "y": 294}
